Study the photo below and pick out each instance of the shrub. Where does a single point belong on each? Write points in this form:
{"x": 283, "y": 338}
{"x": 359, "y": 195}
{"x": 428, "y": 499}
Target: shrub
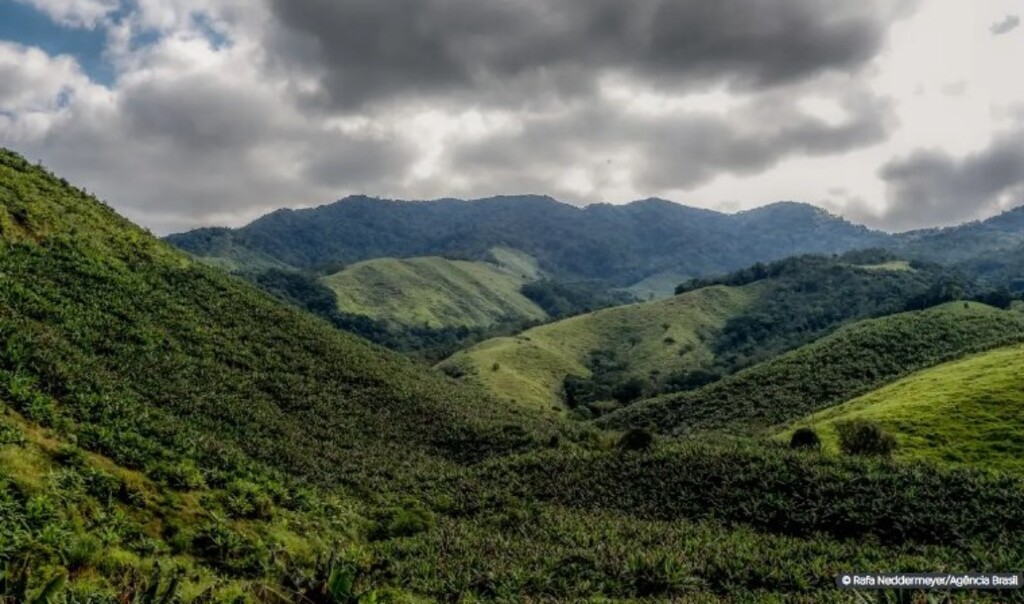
{"x": 403, "y": 521}
{"x": 69, "y": 455}
{"x": 636, "y": 439}
{"x": 805, "y": 438}
{"x": 628, "y": 391}
{"x": 244, "y": 499}
{"x": 80, "y": 552}
{"x": 183, "y": 476}
{"x": 864, "y": 437}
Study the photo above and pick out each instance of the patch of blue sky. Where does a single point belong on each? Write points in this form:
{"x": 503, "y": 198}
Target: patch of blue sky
{"x": 25, "y": 25}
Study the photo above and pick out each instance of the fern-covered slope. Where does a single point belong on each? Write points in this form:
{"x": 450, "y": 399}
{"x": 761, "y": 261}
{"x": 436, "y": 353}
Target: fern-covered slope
{"x": 146, "y": 352}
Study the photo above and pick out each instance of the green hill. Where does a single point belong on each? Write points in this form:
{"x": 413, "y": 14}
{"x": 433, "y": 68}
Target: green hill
{"x": 116, "y": 344}
{"x": 171, "y": 434}
{"x": 436, "y": 292}
{"x": 662, "y": 336}
{"x": 850, "y": 362}
{"x": 712, "y": 328}
{"x": 967, "y": 411}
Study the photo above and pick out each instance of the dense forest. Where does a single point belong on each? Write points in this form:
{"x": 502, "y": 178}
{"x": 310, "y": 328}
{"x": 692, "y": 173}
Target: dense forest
{"x": 619, "y": 245}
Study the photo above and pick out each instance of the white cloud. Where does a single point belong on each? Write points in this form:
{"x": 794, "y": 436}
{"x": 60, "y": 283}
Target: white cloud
{"x": 207, "y": 122}
{"x": 76, "y": 13}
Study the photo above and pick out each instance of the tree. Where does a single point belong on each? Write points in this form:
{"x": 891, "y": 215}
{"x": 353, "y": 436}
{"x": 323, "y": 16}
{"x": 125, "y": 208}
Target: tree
{"x": 805, "y": 438}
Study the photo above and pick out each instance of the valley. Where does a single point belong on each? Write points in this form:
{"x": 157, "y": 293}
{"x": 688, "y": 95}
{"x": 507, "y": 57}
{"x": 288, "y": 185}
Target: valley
{"x": 216, "y": 427}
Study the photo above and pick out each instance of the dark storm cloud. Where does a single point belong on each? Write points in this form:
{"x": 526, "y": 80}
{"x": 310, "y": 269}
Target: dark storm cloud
{"x": 1010, "y": 23}
{"x": 511, "y": 50}
{"x": 932, "y": 188}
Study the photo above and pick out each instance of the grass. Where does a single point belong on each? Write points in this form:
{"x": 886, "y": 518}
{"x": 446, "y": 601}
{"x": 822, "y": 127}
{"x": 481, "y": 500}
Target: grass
{"x": 661, "y": 336}
{"x": 854, "y": 360}
{"x": 967, "y": 411}
{"x": 516, "y": 263}
{"x": 660, "y": 285}
{"x": 435, "y": 292}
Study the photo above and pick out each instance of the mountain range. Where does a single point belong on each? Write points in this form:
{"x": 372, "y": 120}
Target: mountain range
{"x": 618, "y": 244}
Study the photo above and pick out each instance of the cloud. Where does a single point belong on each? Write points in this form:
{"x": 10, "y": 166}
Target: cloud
{"x": 75, "y": 13}
{"x": 584, "y": 145}
{"x": 31, "y": 81}
{"x": 1010, "y": 23}
{"x": 191, "y": 135}
{"x": 221, "y": 111}
{"x": 933, "y": 188}
{"x": 516, "y": 52}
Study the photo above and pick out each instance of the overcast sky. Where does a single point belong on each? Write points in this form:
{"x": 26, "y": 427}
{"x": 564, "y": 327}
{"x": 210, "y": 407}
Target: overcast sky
{"x": 182, "y": 113}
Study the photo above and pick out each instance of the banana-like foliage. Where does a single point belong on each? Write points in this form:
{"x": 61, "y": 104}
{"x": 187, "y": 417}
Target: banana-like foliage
{"x": 14, "y": 588}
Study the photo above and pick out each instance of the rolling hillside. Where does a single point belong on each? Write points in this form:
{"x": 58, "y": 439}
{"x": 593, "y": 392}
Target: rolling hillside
{"x": 965, "y": 411}
{"x": 123, "y": 354}
{"x": 436, "y": 293}
{"x": 714, "y": 327}
{"x": 168, "y": 433}
{"x": 620, "y": 245}
{"x": 850, "y": 362}
{"x": 662, "y": 336}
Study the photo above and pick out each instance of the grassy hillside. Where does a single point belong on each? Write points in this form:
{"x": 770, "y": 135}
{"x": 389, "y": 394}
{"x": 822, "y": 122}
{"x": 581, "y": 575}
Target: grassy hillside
{"x": 170, "y": 434}
{"x": 852, "y": 361}
{"x": 437, "y": 292}
{"x": 712, "y": 328}
{"x": 661, "y": 285}
{"x": 661, "y": 336}
{"x": 967, "y": 411}
{"x": 116, "y": 343}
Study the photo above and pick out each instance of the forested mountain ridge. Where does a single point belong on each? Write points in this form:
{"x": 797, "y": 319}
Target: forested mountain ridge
{"x": 966, "y": 242}
{"x": 619, "y": 245}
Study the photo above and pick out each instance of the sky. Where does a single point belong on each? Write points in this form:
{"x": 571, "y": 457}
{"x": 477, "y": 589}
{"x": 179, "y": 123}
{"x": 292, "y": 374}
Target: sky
{"x": 898, "y": 114}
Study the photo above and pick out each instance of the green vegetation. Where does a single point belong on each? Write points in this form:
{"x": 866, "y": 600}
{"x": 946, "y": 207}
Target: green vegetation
{"x": 965, "y": 243}
{"x": 433, "y": 293}
{"x": 661, "y": 285}
{"x": 807, "y": 297}
{"x": 109, "y": 533}
{"x": 657, "y": 338}
{"x": 714, "y": 327}
{"x": 850, "y": 362}
{"x": 561, "y": 299}
{"x": 124, "y": 347}
{"x": 618, "y": 245}
{"x": 306, "y": 291}
{"x": 169, "y": 433}
{"x": 966, "y": 411}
